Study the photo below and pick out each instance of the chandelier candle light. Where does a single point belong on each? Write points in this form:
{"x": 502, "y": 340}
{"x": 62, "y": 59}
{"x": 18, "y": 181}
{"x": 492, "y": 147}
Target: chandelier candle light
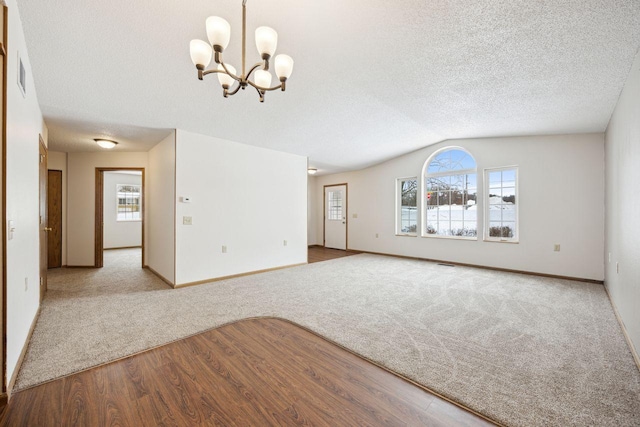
{"x": 219, "y": 33}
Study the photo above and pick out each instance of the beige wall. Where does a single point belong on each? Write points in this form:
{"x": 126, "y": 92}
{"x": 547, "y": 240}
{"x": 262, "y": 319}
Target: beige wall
{"x": 246, "y": 198}
{"x": 622, "y": 252}
{"x": 572, "y": 163}
{"x": 81, "y": 199}
{"x": 312, "y": 217}
{"x": 161, "y": 203}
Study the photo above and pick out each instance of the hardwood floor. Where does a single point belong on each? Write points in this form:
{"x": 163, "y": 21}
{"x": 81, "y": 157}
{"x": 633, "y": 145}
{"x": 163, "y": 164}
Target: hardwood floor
{"x": 320, "y": 253}
{"x": 254, "y": 372}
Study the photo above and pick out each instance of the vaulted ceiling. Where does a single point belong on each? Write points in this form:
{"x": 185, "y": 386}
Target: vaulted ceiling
{"x": 372, "y": 79}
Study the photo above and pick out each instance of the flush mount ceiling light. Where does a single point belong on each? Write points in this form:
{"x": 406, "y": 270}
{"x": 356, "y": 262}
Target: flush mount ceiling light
{"x": 106, "y": 143}
{"x": 312, "y": 171}
{"x": 219, "y": 33}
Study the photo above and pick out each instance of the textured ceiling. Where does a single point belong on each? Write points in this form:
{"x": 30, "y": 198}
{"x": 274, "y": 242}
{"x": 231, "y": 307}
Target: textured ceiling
{"x": 372, "y": 79}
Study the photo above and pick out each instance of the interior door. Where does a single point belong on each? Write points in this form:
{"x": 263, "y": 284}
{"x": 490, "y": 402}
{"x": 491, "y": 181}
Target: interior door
{"x": 44, "y": 228}
{"x": 335, "y": 216}
{"x": 54, "y": 211}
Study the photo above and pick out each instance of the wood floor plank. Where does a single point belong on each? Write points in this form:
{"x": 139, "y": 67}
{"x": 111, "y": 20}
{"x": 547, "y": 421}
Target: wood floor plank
{"x": 253, "y": 372}
{"x": 320, "y": 253}
{"x": 350, "y": 384}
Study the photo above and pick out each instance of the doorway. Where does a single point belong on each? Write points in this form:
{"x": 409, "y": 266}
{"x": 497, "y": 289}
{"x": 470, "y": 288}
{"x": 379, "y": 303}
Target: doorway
{"x": 335, "y": 216}
{"x": 125, "y": 208}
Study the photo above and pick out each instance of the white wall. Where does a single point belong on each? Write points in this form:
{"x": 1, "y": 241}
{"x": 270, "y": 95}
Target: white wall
{"x": 247, "y": 198}
{"x": 622, "y": 222}
{"x": 161, "y": 202}
{"x": 312, "y": 217}
{"x": 574, "y": 163}
{"x": 24, "y": 124}
{"x": 119, "y": 234}
{"x": 81, "y": 199}
{"x": 58, "y": 161}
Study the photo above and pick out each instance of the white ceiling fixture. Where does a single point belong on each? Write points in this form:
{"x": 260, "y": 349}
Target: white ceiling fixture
{"x": 106, "y": 143}
{"x": 219, "y": 34}
{"x": 312, "y": 171}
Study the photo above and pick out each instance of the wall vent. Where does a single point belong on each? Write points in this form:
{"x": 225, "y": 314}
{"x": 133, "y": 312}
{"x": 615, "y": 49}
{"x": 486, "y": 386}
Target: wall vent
{"x": 445, "y": 264}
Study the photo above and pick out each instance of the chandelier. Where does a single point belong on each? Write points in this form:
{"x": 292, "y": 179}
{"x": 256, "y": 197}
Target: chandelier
{"x": 219, "y": 33}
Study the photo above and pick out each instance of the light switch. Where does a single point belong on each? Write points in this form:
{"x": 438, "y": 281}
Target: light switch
{"x": 186, "y": 220}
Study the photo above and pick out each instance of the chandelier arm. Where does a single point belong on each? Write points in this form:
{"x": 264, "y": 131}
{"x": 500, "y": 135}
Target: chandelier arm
{"x": 233, "y": 76}
{"x": 260, "y": 94}
{"x": 264, "y": 89}
{"x": 258, "y": 65}
{"x": 204, "y": 73}
{"x": 234, "y": 92}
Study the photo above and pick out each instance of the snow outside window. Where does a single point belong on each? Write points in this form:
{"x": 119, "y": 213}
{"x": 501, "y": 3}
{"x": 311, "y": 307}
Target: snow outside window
{"x": 501, "y": 207}
{"x": 451, "y": 185}
{"x": 335, "y": 206}
{"x": 407, "y": 206}
{"x": 128, "y": 205}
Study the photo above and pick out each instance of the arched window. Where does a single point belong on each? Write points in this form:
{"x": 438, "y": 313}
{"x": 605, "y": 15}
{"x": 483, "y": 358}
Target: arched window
{"x": 451, "y": 185}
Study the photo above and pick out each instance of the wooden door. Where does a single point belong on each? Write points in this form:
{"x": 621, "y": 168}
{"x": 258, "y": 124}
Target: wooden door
{"x": 43, "y": 219}
{"x": 335, "y": 216}
{"x": 54, "y": 210}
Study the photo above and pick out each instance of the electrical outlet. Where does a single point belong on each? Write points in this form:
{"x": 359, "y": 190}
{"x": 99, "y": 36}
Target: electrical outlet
{"x": 224, "y": 249}
{"x": 26, "y": 284}
{"x": 187, "y": 220}
{"x": 556, "y": 247}
{"x": 284, "y": 243}
{"x": 355, "y": 215}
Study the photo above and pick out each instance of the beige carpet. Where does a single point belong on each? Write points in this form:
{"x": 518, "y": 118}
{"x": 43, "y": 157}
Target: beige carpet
{"x": 522, "y": 350}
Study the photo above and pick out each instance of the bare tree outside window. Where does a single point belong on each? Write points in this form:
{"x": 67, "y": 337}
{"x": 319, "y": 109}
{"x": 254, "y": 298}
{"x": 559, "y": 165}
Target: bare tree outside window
{"x": 451, "y": 192}
{"x": 129, "y": 207}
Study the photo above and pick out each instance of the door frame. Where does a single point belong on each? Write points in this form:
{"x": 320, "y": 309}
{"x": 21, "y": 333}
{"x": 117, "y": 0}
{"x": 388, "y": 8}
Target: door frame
{"x": 43, "y": 220}
{"x": 99, "y": 213}
{"x": 346, "y": 213}
{"x": 3, "y": 52}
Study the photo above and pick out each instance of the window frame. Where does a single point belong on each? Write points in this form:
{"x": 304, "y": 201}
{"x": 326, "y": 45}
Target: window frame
{"x": 139, "y": 202}
{"x": 423, "y": 196}
{"x": 399, "y": 231}
{"x": 331, "y": 211}
{"x": 487, "y": 214}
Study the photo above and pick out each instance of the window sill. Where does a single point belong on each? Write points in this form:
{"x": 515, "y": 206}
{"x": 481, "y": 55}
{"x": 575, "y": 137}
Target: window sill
{"x": 500, "y": 241}
{"x": 435, "y": 236}
{"x": 128, "y": 220}
{"x": 406, "y": 235}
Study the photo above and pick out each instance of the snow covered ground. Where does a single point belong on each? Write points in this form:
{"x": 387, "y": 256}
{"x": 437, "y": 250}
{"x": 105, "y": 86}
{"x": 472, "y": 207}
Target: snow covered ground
{"x": 460, "y": 220}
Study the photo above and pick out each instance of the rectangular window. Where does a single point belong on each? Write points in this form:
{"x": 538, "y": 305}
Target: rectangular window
{"x": 501, "y": 208}
{"x": 451, "y": 206}
{"x": 334, "y": 208}
{"x": 128, "y": 203}
{"x": 407, "y": 214}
